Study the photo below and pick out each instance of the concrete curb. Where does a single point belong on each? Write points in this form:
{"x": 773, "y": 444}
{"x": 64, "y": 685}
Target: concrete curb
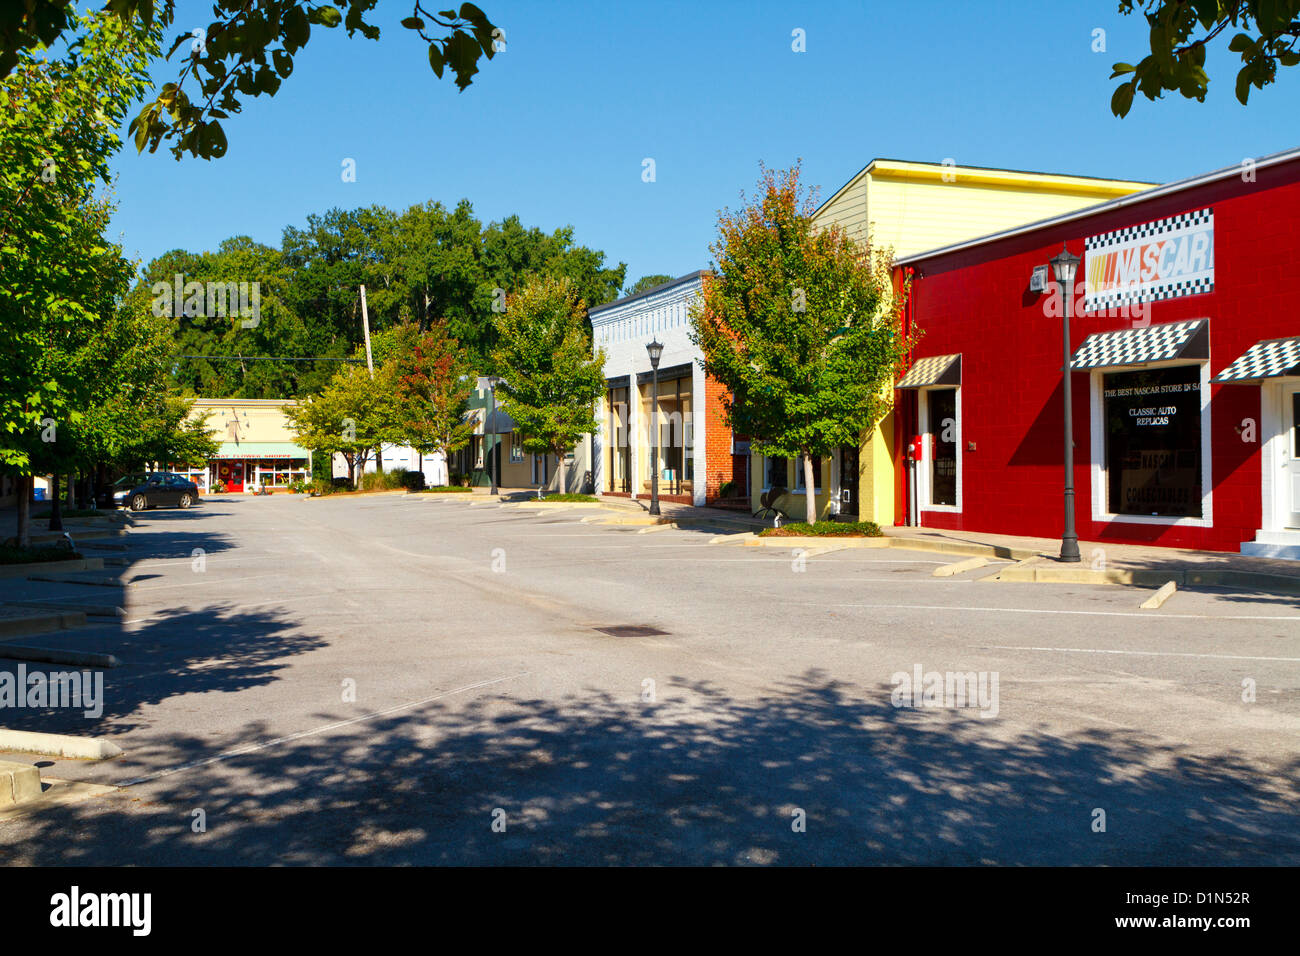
{"x": 19, "y": 783}
{"x": 109, "y": 581}
{"x": 35, "y": 623}
{"x": 58, "y": 745}
{"x": 816, "y": 541}
{"x": 1160, "y": 597}
{"x": 57, "y": 655}
{"x": 1156, "y": 577}
{"x": 970, "y": 564}
{"x": 77, "y": 564}
{"x": 90, "y": 610}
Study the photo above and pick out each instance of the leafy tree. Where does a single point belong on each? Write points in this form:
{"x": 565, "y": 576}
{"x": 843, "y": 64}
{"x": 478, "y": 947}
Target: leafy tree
{"x": 799, "y": 325}
{"x": 58, "y": 276}
{"x": 647, "y": 282}
{"x": 247, "y": 50}
{"x": 551, "y": 378}
{"x": 354, "y": 416}
{"x": 1265, "y": 34}
{"x": 434, "y": 383}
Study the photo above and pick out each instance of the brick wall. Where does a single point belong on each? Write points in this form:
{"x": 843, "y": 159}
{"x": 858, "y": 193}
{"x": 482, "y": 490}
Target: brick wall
{"x": 718, "y": 458}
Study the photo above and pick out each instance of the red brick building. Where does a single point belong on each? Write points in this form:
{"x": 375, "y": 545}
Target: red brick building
{"x": 1185, "y": 345}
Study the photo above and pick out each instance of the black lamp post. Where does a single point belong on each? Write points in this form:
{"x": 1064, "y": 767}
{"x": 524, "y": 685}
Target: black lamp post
{"x": 496, "y": 445}
{"x": 655, "y": 349}
{"x": 1064, "y": 266}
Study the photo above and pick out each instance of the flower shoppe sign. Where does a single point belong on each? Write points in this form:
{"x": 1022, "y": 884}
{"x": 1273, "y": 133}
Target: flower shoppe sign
{"x": 1156, "y": 260}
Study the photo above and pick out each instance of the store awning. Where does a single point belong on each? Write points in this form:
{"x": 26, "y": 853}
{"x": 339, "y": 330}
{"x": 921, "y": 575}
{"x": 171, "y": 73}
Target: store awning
{"x": 933, "y": 370}
{"x": 1272, "y": 358}
{"x": 260, "y": 449}
{"x": 1155, "y": 343}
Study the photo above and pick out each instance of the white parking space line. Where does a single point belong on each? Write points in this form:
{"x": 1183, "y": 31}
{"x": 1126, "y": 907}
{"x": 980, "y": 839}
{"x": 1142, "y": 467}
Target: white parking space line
{"x": 1095, "y": 650}
{"x": 1030, "y": 610}
{"x": 324, "y": 728}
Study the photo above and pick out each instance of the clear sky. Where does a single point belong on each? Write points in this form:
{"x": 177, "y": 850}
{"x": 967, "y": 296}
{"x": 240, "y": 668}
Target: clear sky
{"x": 556, "y": 128}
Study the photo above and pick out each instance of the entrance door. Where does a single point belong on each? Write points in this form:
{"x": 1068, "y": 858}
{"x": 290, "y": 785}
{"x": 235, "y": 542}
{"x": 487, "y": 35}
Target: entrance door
{"x": 236, "y": 482}
{"x": 1291, "y": 456}
{"x": 941, "y": 423}
{"x": 849, "y": 481}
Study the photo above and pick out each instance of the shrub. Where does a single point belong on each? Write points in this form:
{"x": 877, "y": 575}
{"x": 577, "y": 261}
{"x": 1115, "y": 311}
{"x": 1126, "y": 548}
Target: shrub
{"x": 341, "y": 484}
{"x": 727, "y": 490}
{"x": 381, "y": 480}
{"x": 570, "y": 496}
{"x": 458, "y": 479}
{"x": 828, "y": 529}
{"x": 444, "y": 489}
{"x": 218, "y": 487}
{"x": 412, "y": 480}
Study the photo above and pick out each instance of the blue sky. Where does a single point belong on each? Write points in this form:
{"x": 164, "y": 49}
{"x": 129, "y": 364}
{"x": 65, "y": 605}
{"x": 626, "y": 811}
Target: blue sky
{"x": 556, "y": 127}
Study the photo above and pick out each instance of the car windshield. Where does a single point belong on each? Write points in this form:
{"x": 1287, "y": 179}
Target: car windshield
{"x": 128, "y": 481}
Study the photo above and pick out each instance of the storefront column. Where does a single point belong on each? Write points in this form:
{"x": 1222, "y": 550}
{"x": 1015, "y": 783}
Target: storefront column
{"x": 699, "y": 431}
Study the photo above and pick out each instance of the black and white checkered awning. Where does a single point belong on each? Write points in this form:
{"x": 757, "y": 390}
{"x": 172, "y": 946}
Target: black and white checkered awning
{"x": 933, "y": 370}
{"x": 1155, "y": 343}
{"x": 1270, "y": 359}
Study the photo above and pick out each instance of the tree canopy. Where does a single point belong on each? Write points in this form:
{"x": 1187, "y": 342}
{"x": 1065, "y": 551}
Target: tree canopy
{"x": 246, "y": 50}
{"x": 800, "y": 325}
{"x": 551, "y": 377}
{"x": 426, "y": 265}
{"x": 1264, "y": 34}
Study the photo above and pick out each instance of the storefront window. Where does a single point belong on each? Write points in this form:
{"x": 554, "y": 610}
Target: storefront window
{"x": 941, "y": 408}
{"x": 675, "y": 415}
{"x": 817, "y": 473}
{"x": 618, "y": 472}
{"x": 776, "y": 472}
{"x": 1153, "y": 441}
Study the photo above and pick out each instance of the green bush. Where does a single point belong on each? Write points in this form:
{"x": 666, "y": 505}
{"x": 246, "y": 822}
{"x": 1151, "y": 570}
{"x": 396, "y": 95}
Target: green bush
{"x": 569, "y": 496}
{"x": 340, "y": 484}
{"x": 827, "y": 529}
{"x": 412, "y": 480}
{"x": 444, "y": 489}
{"x": 727, "y": 490}
{"x": 381, "y": 480}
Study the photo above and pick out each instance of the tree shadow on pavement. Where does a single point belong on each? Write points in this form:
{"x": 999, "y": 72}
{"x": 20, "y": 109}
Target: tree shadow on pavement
{"x": 699, "y": 777}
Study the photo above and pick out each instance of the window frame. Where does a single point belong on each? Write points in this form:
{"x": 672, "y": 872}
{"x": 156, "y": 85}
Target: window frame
{"x": 925, "y": 492}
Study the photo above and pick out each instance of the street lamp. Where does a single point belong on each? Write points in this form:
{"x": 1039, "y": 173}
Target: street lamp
{"x": 1064, "y": 266}
{"x": 655, "y": 349}
{"x": 493, "y": 380}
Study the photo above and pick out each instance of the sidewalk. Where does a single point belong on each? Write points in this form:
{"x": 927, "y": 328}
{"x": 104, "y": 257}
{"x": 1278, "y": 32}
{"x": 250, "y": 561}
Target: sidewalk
{"x": 1108, "y": 563}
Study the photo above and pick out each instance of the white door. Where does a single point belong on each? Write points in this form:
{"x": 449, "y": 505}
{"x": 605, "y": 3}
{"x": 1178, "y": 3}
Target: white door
{"x": 1291, "y": 456}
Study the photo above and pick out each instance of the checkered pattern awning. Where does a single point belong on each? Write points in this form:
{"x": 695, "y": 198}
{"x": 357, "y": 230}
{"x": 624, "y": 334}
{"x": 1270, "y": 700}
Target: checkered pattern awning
{"x": 1155, "y": 343}
{"x": 1270, "y": 359}
{"x": 933, "y": 370}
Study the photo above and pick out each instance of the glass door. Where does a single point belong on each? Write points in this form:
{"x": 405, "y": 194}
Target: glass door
{"x": 1291, "y": 458}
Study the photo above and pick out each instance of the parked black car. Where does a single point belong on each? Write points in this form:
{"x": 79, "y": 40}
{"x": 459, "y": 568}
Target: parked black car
{"x": 158, "y": 489}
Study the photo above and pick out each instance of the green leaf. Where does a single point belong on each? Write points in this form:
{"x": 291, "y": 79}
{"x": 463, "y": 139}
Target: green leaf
{"x": 435, "y": 60}
{"x": 413, "y": 23}
{"x": 1121, "y": 101}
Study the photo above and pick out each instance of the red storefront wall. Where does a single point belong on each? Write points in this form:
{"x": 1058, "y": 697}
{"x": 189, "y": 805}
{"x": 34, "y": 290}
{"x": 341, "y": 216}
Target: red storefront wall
{"x": 976, "y": 302}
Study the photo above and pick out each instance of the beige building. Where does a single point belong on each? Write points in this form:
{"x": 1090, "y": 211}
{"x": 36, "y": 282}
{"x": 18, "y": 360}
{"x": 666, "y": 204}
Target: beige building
{"x": 910, "y": 207}
{"x": 256, "y": 446}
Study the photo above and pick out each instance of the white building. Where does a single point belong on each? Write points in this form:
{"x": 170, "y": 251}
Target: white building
{"x": 623, "y": 329}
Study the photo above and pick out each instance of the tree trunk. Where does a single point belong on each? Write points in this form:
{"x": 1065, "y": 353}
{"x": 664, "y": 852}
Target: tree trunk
{"x": 72, "y": 491}
{"x": 559, "y": 470}
{"x": 24, "y": 509}
{"x": 810, "y": 491}
{"x": 56, "y": 504}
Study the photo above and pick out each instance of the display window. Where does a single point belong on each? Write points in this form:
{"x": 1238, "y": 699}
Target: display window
{"x": 1152, "y": 427}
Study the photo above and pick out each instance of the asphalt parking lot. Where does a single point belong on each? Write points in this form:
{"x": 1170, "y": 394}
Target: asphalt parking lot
{"x": 416, "y": 679}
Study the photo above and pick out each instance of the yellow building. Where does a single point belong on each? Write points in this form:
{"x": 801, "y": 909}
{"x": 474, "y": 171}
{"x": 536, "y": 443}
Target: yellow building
{"x": 910, "y": 207}
{"x": 256, "y": 448}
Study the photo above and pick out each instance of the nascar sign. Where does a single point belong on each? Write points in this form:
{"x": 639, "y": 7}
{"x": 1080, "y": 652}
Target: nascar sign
{"x": 1156, "y": 260}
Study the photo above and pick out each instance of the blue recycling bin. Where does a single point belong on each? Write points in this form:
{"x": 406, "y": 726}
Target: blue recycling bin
{"x": 38, "y": 494}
